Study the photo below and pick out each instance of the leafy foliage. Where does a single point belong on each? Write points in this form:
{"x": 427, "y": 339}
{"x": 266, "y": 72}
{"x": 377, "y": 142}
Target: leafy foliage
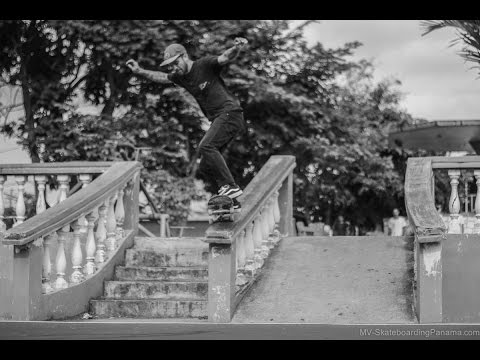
{"x": 303, "y": 100}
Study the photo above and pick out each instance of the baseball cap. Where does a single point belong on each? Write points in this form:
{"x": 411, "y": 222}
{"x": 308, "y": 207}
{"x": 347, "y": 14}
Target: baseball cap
{"x": 172, "y": 52}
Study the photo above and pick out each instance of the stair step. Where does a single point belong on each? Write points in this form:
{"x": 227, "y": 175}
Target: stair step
{"x": 149, "y": 308}
{"x": 161, "y": 273}
{"x": 197, "y": 290}
{"x": 174, "y": 257}
{"x": 159, "y": 243}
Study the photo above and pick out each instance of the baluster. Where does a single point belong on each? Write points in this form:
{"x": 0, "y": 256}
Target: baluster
{"x": 101, "y": 234}
{"x": 257, "y": 240}
{"x": 85, "y": 179}
{"x": 241, "y": 279}
{"x": 271, "y": 215}
{"x": 276, "y": 208}
{"x": 90, "y": 247}
{"x": 47, "y": 265}
{"x": 270, "y": 223}
{"x": 41, "y": 180}
{"x": 63, "y": 180}
{"x": 249, "y": 251}
{"x": 454, "y": 204}
{"x": 61, "y": 259}
{"x": 120, "y": 214}
{"x": 273, "y": 237}
{"x": 3, "y": 226}
{"x": 465, "y": 185}
{"x": 77, "y": 256}
{"x": 476, "y": 229}
{"x": 20, "y": 208}
{"x": 111, "y": 226}
{"x": 264, "y": 224}
{"x": 469, "y": 222}
{"x": 276, "y": 215}
{"x": 240, "y": 250}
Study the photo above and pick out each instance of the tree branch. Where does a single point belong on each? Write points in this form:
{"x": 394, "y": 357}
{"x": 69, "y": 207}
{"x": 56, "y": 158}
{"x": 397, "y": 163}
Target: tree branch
{"x": 79, "y": 81}
{"x": 10, "y": 107}
{"x": 70, "y": 85}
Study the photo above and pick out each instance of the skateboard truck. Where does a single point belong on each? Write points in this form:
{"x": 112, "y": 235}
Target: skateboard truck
{"x": 220, "y": 209}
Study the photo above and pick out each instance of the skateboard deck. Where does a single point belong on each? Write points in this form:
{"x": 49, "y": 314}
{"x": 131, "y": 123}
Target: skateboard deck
{"x": 220, "y": 208}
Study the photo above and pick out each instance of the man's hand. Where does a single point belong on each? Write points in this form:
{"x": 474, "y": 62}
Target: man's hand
{"x": 240, "y": 42}
{"x": 230, "y": 54}
{"x": 133, "y": 65}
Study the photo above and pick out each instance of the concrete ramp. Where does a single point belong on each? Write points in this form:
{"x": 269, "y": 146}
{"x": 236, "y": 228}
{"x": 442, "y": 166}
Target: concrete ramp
{"x": 333, "y": 280}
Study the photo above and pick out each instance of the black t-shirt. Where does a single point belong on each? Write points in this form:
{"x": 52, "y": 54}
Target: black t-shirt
{"x": 203, "y": 81}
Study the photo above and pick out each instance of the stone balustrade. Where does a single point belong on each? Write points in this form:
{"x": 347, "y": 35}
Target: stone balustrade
{"x": 446, "y": 246}
{"x": 253, "y": 247}
{"x": 238, "y": 250}
{"x": 463, "y": 208}
{"x": 38, "y": 177}
{"x": 76, "y": 241}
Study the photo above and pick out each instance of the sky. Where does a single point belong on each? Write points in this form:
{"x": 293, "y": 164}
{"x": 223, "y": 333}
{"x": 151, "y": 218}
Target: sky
{"x": 437, "y": 82}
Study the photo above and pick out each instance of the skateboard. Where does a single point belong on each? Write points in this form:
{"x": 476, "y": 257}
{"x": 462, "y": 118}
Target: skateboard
{"x": 220, "y": 209}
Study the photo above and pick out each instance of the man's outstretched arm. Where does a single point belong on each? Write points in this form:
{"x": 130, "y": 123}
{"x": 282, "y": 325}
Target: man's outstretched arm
{"x": 156, "y": 76}
{"x": 230, "y": 54}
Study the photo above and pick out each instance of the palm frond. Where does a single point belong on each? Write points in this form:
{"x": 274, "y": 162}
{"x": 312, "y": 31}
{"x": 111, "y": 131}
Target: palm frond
{"x": 467, "y": 31}
{"x": 432, "y": 25}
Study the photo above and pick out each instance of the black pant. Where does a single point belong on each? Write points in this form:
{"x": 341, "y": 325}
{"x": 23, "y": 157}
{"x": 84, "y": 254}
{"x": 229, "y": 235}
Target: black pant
{"x": 222, "y": 131}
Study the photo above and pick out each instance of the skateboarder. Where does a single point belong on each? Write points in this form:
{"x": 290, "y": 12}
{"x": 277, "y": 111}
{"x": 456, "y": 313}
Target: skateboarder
{"x": 202, "y": 79}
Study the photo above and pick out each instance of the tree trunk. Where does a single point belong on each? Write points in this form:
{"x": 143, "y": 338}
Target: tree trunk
{"x": 328, "y": 216}
{"x": 110, "y": 103}
{"x": 109, "y": 107}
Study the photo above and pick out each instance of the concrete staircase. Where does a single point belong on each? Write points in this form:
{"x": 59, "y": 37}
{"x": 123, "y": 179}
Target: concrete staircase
{"x": 162, "y": 278}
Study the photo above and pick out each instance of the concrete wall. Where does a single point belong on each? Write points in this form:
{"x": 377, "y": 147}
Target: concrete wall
{"x": 461, "y": 278}
{"x": 6, "y": 279}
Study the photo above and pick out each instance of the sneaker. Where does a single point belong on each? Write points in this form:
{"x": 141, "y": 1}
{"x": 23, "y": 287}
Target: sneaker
{"x": 232, "y": 191}
{"x": 237, "y": 207}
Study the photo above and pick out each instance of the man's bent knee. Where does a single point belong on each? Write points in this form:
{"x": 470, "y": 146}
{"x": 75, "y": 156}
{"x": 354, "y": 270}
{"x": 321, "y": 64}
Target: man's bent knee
{"x": 205, "y": 148}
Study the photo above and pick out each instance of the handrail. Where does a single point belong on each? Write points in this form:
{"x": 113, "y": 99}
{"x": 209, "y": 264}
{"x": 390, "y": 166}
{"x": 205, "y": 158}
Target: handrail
{"x": 118, "y": 174}
{"x": 455, "y": 162}
{"x": 420, "y": 202}
{"x": 73, "y": 167}
{"x": 262, "y": 186}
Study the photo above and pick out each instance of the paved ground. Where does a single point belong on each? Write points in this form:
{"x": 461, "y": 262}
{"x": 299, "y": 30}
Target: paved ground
{"x": 152, "y": 330}
{"x": 333, "y": 280}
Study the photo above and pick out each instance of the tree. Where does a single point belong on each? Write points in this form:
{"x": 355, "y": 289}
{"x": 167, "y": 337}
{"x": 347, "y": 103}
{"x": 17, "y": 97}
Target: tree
{"x": 293, "y": 99}
{"x": 349, "y": 170}
{"x": 39, "y": 59}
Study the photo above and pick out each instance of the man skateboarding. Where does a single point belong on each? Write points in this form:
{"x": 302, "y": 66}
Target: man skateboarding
{"x": 201, "y": 78}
